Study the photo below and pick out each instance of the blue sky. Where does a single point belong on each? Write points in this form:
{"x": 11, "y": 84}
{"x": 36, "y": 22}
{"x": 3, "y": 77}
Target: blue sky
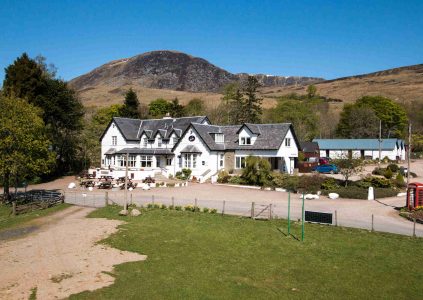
{"x": 327, "y": 39}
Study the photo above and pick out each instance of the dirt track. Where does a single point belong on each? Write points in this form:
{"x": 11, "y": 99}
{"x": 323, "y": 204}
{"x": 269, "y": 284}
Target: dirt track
{"x": 61, "y": 257}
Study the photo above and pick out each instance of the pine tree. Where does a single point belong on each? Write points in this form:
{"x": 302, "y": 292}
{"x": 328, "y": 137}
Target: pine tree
{"x": 252, "y": 106}
{"x": 24, "y": 79}
{"x": 131, "y": 105}
{"x": 176, "y": 110}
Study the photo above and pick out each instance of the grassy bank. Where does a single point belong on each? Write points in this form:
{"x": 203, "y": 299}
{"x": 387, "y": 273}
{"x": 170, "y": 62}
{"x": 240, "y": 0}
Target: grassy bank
{"x": 206, "y": 256}
{"x": 8, "y": 221}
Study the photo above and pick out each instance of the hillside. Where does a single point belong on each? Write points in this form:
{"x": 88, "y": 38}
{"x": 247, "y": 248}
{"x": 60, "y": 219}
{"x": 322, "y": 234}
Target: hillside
{"x": 403, "y": 84}
{"x": 164, "y": 74}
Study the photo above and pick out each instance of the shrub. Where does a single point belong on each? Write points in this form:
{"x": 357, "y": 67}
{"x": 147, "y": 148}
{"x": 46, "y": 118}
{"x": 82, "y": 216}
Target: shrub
{"x": 355, "y": 192}
{"x": 291, "y": 183}
{"x": 236, "y": 180}
{"x": 171, "y": 185}
{"x": 223, "y": 177}
{"x": 189, "y": 208}
{"x": 393, "y": 167}
{"x": 170, "y": 176}
{"x": 213, "y": 210}
{"x": 156, "y": 205}
{"x": 163, "y": 206}
{"x": 375, "y": 182}
{"x": 388, "y": 174}
{"x": 185, "y": 174}
{"x": 329, "y": 184}
{"x": 399, "y": 181}
{"x": 178, "y": 207}
{"x": 379, "y": 171}
{"x": 205, "y": 210}
{"x": 171, "y": 207}
{"x": 157, "y": 184}
{"x": 150, "y": 205}
{"x": 196, "y": 209}
{"x": 310, "y": 184}
{"x": 278, "y": 179}
{"x": 412, "y": 174}
{"x": 178, "y": 175}
{"x": 256, "y": 171}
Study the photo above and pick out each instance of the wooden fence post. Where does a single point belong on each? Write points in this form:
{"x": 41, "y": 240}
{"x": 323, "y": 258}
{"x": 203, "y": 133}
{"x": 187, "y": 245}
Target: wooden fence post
{"x": 14, "y": 208}
{"x": 252, "y": 210}
{"x": 173, "y": 202}
{"x": 373, "y": 228}
{"x": 223, "y": 207}
{"x": 106, "y": 198}
{"x": 152, "y": 199}
{"x": 131, "y": 200}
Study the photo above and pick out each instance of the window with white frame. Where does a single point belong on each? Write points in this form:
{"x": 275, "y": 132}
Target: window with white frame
{"x": 168, "y": 161}
{"x": 114, "y": 140}
{"x": 190, "y": 160}
{"x": 175, "y": 140}
{"x": 239, "y": 162}
{"x": 120, "y": 161}
{"x": 146, "y": 161}
{"x": 144, "y": 142}
{"x": 159, "y": 142}
{"x": 245, "y": 140}
{"x": 219, "y": 138}
{"x": 288, "y": 142}
{"x": 221, "y": 160}
{"x": 132, "y": 160}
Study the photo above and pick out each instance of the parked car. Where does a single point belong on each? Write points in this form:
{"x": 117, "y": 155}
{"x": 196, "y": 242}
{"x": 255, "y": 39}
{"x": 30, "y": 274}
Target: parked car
{"x": 332, "y": 169}
{"x": 324, "y": 160}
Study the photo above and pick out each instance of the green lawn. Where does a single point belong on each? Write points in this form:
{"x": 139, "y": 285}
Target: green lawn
{"x": 8, "y": 221}
{"x": 206, "y": 256}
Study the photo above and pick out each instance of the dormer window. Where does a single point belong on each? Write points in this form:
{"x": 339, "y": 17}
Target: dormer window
{"x": 219, "y": 138}
{"x": 144, "y": 142}
{"x": 245, "y": 140}
{"x": 159, "y": 142}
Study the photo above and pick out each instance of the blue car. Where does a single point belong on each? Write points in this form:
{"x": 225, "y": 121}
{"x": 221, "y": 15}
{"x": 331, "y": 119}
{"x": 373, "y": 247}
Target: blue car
{"x": 332, "y": 169}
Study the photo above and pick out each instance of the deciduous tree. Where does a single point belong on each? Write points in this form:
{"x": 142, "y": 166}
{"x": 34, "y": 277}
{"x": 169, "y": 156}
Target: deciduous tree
{"x": 358, "y": 122}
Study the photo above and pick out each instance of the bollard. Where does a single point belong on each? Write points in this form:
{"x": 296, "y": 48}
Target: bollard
{"x": 223, "y": 208}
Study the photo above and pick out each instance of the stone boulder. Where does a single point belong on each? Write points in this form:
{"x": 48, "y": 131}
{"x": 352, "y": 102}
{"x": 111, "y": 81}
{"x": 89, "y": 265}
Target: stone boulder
{"x": 123, "y": 212}
{"x": 135, "y": 212}
{"x": 333, "y": 195}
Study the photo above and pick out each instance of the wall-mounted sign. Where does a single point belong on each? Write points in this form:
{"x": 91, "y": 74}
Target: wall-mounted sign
{"x": 191, "y": 138}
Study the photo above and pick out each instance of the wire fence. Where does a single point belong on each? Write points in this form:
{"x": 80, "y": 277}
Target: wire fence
{"x": 257, "y": 209}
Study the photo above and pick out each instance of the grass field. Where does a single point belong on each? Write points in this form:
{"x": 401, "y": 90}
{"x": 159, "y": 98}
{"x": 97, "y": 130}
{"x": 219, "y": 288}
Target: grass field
{"x": 206, "y": 256}
{"x": 8, "y": 221}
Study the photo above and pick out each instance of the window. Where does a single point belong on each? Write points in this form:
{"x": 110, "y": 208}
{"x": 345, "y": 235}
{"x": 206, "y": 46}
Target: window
{"x": 144, "y": 142}
{"x": 132, "y": 159}
{"x": 175, "y": 140}
{"x": 239, "y": 162}
{"x": 168, "y": 161}
{"x": 114, "y": 140}
{"x": 219, "y": 138}
{"x": 245, "y": 141}
{"x": 146, "y": 161}
{"x": 288, "y": 142}
{"x": 221, "y": 160}
{"x": 190, "y": 160}
{"x": 120, "y": 161}
{"x": 159, "y": 142}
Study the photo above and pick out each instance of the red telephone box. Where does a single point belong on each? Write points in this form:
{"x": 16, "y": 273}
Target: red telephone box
{"x": 414, "y": 195}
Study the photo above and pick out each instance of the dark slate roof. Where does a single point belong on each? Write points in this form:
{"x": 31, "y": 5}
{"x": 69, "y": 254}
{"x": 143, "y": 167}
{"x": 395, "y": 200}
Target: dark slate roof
{"x": 270, "y": 136}
{"x": 309, "y": 147}
{"x": 190, "y": 149}
{"x": 132, "y": 129}
{"x": 145, "y": 151}
{"x": 358, "y": 144}
{"x": 128, "y": 127}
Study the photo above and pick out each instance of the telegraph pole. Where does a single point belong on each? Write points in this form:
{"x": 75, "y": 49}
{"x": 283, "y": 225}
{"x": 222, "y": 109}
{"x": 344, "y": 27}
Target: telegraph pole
{"x": 408, "y": 154}
{"x": 126, "y": 182}
{"x": 380, "y": 142}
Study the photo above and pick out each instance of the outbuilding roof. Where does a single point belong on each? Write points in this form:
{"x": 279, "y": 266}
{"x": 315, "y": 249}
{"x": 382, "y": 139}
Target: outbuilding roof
{"x": 358, "y": 144}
